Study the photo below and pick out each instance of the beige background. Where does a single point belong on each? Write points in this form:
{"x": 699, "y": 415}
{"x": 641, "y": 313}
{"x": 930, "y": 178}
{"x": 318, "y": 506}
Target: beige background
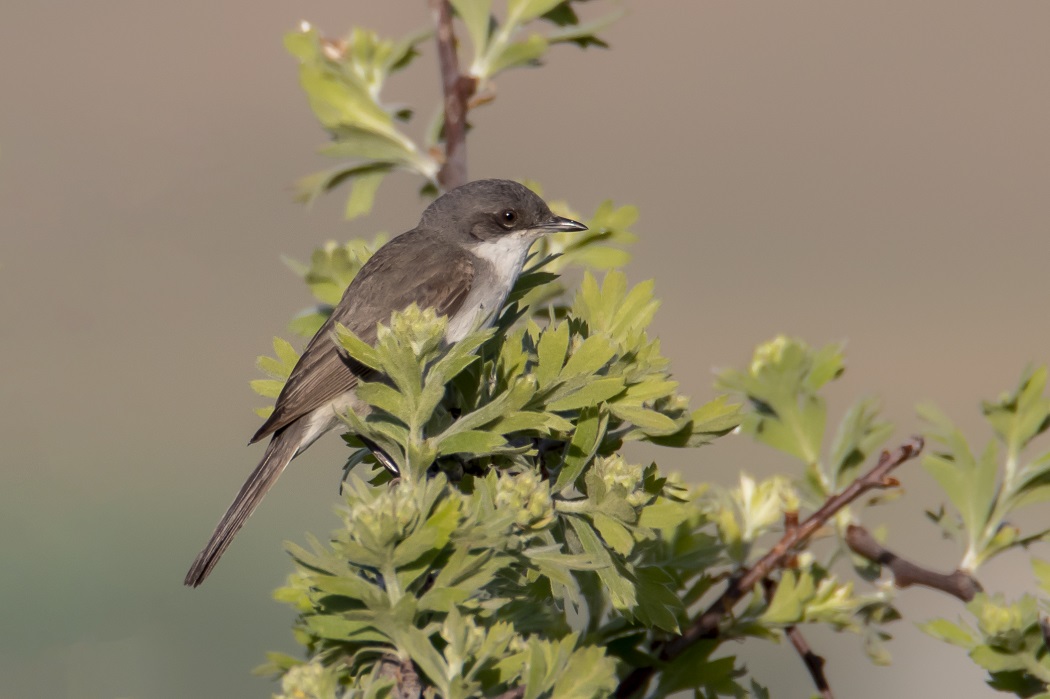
{"x": 875, "y": 172}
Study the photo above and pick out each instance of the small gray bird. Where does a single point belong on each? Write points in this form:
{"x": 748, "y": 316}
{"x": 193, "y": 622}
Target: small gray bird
{"x": 461, "y": 260}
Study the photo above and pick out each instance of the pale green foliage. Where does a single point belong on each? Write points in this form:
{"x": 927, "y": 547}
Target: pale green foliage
{"x": 1007, "y": 640}
{"x": 278, "y": 368}
{"x": 540, "y": 520}
{"x": 783, "y": 384}
{"x": 811, "y": 594}
{"x": 329, "y": 272}
{"x": 499, "y": 44}
{"x": 986, "y": 488}
{"x": 526, "y": 419}
{"x": 520, "y": 548}
{"x": 751, "y": 510}
{"x": 344, "y": 81}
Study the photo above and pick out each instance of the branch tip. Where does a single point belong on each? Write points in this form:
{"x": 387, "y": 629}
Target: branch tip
{"x": 706, "y": 625}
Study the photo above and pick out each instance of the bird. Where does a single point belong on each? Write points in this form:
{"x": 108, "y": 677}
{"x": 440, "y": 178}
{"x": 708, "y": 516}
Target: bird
{"x": 461, "y": 260}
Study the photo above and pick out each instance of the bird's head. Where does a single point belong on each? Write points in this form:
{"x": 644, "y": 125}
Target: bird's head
{"x": 488, "y": 210}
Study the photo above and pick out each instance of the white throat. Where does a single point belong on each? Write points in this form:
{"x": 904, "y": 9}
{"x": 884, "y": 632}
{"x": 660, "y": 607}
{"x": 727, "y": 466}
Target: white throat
{"x": 506, "y": 255}
{"x": 492, "y": 282}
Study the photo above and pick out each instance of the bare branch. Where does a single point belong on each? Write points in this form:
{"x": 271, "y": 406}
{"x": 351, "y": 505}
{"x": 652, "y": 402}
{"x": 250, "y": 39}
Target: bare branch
{"x": 458, "y": 89}
{"x": 516, "y": 693}
{"x": 706, "y": 625}
{"x": 959, "y": 583}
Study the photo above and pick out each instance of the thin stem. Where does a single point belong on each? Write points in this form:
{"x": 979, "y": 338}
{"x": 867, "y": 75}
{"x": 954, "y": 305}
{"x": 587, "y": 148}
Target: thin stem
{"x": 392, "y": 584}
{"x": 959, "y": 583}
{"x": 458, "y": 89}
{"x": 814, "y": 663}
{"x": 706, "y": 625}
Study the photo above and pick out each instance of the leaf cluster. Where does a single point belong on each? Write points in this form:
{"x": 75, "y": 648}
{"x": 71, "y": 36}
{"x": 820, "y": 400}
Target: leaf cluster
{"x": 519, "y": 549}
{"x": 518, "y": 523}
{"x": 514, "y": 512}
{"x": 985, "y": 489}
{"x": 1009, "y": 640}
{"x": 344, "y": 81}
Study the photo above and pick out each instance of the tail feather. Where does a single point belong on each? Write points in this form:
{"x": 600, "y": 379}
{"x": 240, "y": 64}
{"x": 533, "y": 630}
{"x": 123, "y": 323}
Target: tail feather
{"x": 281, "y": 450}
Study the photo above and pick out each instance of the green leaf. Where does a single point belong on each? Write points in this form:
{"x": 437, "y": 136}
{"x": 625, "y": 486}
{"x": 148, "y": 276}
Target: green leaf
{"x": 344, "y": 629}
{"x": 476, "y": 16}
{"x": 614, "y": 533}
{"x": 434, "y": 533}
{"x": 358, "y": 348}
{"x": 649, "y": 420}
{"x": 827, "y": 364}
{"x": 519, "y": 53}
{"x": 1022, "y": 415}
{"x": 590, "y": 394}
{"x": 268, "y": 388}
{"x": 353, "y": 587}
{"x": 513, "y": 399}
{"x": 550, "y": 351}
{"x": 589, "y": 357}
{"x": 472, "y": 442}
{"x": 951, "y": 633}
{"x": 585, "y": 34}
{"x": 621, "y": 590}
{"x": 589, "y": 674}
{"x": 692, "y": 669}
{"x": 658, "y": 601}
{"x": 384, "y": 397}
{"x": 285, "y": 352}
{"x": 648, "y": 390}
{"x": 381, "y": 148}
{"x": 861, "y": 433}
{"x": 363, "y": 194}
{"x": 523, "y": 11}
{"x": 590, "y": 429}
{"x": 665, "y": 514}
{"x": 789, "y": 601}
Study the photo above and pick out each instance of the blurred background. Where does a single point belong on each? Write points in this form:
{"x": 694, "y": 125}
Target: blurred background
{"x": 877, "y": 173}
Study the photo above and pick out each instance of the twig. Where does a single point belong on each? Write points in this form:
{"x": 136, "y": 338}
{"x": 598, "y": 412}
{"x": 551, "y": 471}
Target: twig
{"x": 959, "y": 583}
{"x": 814, "y": 663}
{"x": 516, "y": 693}
{"x": 878, "y": 477}
{"x": 706, "y": 625}
{"x": 458, "y": 89}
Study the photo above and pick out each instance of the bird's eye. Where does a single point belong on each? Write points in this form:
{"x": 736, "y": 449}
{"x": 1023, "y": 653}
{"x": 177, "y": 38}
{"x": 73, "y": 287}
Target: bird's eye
{"x": 508, "y": 217}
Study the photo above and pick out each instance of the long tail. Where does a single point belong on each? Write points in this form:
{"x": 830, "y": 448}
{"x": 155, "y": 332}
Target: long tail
{"x": 281, "y": 450}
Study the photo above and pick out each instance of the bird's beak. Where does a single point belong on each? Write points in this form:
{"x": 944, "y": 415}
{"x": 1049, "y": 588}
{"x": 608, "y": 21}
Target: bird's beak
{"x": 559, "y": 224}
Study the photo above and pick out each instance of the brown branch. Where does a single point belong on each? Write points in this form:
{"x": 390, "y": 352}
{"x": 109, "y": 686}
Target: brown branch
{"x": 814, "y": 663}
{"x": 458, "y": 89}
{"x": 959, "y": 583}
{"x": 706, "y": 625}
{"x": 516, "y": 693}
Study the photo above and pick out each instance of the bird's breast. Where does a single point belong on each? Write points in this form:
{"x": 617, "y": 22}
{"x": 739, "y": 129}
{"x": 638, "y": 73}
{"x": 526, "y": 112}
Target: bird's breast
{"x": 497, "y": 264}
